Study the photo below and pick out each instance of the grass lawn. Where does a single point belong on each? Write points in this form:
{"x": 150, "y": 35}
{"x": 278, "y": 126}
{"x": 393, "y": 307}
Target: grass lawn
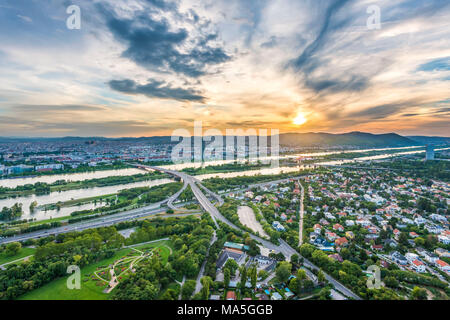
{"x": 24, "y": 252}
{"x": 165, "y": 246}
{"x": 92, "y": 289}
{"x": 57, "y": 289}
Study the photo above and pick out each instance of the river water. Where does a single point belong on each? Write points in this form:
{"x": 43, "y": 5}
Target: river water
{"x": 14, "y": 182}
{"x": 62, "y": 196}
{"x": 54, "y": 197}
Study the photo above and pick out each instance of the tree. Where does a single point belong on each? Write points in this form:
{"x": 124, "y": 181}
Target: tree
{"x": 325, "y": 294}
{"x": 243, "y": 277}
{"x": 33, "y": 205}
{"x": 419, "y": 294}
{"x": 262, "y": 274}
{"x": 226, "y": 277}
{"x": 294, "y": 285}
{"x": 188, "y": 289}
{"x": 301, "y": 274}
{"x": 253, "y": 277}
{"x": 306, "y": 250}
{"x": 206, "y": 282}
{"x": 232, "y": 265}
{"x": 420, "y": 242}
{"x": 294, "y": 258}
{"x": 283, "y": 271}
{"x": 321, "y": 276}
{"x": 170, "y": 294}
{"x": 390, "y": 281}
{"x": 13, "y": 248}
{"x": 403, "y": 239}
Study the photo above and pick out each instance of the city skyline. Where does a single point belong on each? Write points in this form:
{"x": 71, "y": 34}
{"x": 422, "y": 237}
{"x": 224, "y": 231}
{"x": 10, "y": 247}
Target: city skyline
{"x": 147, "y": 67}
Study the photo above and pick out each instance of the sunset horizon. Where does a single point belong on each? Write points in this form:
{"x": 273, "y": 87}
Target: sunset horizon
{"x": 146, "y": 68}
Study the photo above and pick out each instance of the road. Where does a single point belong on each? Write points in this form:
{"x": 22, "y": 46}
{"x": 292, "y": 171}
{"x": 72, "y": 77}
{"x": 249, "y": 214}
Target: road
{"x": 300, "y": 225}
{"x": 175, "y": 196}
{"x": 89, "y": 224}
{"x": 204, "y": 202}
{"x": 283, "y": 247}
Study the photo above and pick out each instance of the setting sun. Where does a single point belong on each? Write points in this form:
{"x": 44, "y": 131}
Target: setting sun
{"x": 300, "y": 119}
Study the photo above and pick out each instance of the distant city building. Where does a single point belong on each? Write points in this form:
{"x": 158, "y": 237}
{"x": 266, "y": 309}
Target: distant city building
{"x": 50, "y": 167}
{"x": 429, "y": 153}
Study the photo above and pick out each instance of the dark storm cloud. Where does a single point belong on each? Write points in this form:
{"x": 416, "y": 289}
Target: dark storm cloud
{"x": 152, "y": 42}
{"x": 156, "y": 89}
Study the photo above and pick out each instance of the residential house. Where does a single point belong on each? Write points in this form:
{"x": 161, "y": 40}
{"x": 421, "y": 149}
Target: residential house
{"x": 231, "y": 295}
{"x": 317, "y": 228}
{"x": 418, "y": 266}
{"x": 341, "y": 242}
{"x": 350, "y": 235}
{"x": 278, "y": 226}
{"x": 442, "y": 252}
{"x": 443, "y": 266}
{"x": 399, "y": 258}
{"x": 331, "y": 236}
{"x": 431, "y": 257}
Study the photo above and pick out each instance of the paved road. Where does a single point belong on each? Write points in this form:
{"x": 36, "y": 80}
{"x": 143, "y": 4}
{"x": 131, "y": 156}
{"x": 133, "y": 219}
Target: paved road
{"x": 300, "y": 227}
{"x": 175, "y": 196}
{"x": 89, "y": 224}
{"x": 284, "y": 248}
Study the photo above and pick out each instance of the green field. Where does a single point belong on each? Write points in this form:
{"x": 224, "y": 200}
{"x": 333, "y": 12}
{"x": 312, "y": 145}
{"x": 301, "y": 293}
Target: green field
{"x": 24, "y": 252}
{"x": 91, "y": 287}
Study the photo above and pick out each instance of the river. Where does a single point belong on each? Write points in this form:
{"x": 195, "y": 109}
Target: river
{"x": 62, "y": 196}
{"x": 14, "y": 182}
{"x": 54, "y": 197}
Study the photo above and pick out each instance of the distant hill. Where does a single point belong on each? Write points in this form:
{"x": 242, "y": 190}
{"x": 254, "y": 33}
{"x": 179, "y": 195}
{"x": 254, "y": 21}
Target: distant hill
{"x": 351, "y": 139}
{"x": 430, "y": 140}
{"x": 307, "y": 140}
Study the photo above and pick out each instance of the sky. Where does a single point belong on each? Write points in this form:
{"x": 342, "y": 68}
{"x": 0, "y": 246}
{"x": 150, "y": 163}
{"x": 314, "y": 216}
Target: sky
{"x": 148, "y": 67}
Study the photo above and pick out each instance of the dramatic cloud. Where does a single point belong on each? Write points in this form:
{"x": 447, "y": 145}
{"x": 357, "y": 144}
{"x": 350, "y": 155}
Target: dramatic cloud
{"x": 144, "y": 67}
{"x": 155, "y": 43}
{"x": 155, "y": 89}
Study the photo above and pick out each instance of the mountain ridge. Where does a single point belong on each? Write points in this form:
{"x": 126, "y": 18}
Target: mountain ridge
{"x": 292, "y": 139}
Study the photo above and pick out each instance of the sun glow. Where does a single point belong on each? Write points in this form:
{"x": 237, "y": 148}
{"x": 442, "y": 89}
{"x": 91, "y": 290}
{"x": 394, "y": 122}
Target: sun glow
{"x": 300, "y": 119}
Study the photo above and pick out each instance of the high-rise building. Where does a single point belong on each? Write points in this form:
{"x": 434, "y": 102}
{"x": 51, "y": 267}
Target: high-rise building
{"x": 429, "y": 153}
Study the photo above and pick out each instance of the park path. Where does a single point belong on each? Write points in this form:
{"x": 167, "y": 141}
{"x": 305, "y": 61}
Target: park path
{"x": 3, "y": 266}
{"x": 198, "y": 285}
{"x": 181, "y": 286}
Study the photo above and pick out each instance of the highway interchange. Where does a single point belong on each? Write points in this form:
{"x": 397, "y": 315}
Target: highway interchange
{"x": 204, "y": 202}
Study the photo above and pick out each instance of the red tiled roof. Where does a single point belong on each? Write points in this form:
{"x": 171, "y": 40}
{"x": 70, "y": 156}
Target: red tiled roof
{"x": 231, "y": 295}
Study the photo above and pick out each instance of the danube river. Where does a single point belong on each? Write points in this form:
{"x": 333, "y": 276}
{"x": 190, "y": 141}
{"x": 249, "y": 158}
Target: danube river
{"x": 55, "y": 197}
{"x": 62, "y": 196}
